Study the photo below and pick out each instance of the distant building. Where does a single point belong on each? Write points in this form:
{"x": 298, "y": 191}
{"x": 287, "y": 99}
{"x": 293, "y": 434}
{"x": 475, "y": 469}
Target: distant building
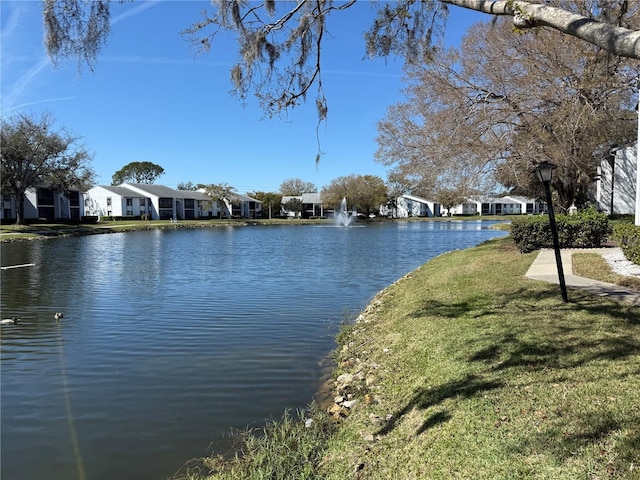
{"x": 414, "y": 206}
{"x": 45, "y": 203}
{"x": 616, "y": 182}
{"x": 507, "y": 205}
{"x": 311, "y": 205}
{"x": 468, "y": 207}
{"x": 243, "y": 206}
{"x": 164, "y": 203}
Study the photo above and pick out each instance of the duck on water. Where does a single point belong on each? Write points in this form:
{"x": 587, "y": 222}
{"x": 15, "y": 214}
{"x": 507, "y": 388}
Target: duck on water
{"x": 16, "y": 320}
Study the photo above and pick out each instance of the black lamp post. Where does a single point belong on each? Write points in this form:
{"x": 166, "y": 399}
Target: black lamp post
{"x": 544, "y": 171}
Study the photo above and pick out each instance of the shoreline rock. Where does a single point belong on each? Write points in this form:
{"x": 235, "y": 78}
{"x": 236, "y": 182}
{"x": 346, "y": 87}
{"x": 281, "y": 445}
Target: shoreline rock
{"x": 353, "y": 383}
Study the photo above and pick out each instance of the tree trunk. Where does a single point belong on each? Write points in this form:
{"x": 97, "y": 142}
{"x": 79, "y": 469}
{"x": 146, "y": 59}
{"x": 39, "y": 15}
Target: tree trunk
{"x": 637, "y": 216}
{"x": 618, "y": 40}
{"x": 20, "y": 208}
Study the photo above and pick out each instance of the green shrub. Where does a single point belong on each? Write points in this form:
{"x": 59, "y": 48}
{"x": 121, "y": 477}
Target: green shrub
{"x": 627, "y": 236}
{"x": 531, "y": 233}
{"x": 586, "y": 229}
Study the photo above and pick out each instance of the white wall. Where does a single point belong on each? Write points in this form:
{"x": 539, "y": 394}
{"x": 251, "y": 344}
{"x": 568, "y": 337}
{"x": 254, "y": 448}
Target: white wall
{"x": 96, "y": 202}
{"x": 624, "y": 183}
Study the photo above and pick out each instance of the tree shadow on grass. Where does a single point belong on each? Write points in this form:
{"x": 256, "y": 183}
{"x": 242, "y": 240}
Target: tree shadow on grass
{"x": 525, "y": 301}
{"x": 424, "y": 398}
{"x": 435, "y": 419}
{"x": 555, "y": 354}
{"x": 556, "y": 348}
{"x": 515, "y": 345}
{"x": 564, "y": 440}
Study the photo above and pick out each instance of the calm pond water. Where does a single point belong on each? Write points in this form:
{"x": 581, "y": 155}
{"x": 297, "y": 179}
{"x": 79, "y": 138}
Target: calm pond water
{"x": 172, "y": 338}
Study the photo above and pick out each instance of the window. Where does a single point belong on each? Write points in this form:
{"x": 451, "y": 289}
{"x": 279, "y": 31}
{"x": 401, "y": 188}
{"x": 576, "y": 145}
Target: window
{"x": 45, "y": 196}
{"x": 108, "y": 201}
{"x": 129, "y": 202}
{"x": 74, "y": 199}
{"x": 165, "y": 202}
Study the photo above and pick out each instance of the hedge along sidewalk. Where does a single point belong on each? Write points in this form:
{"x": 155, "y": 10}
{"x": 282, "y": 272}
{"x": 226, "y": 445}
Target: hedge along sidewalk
{"x": 471, "y": 370}
{"x": 544, "y": 268}
{"x": 587, "y": 229}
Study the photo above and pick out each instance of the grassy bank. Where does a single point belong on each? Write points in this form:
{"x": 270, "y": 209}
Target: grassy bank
{"x": 466, "y": 369}
{"x": 39, "y": 231}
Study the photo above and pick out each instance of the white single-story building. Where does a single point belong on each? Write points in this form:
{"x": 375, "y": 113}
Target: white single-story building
{"x": 507, "y": 205}
{"x": 529, "y": 206}
{"x": 46, "y": 203}
{"x": 616, "y": 182}
{"x": 467, "y": 208}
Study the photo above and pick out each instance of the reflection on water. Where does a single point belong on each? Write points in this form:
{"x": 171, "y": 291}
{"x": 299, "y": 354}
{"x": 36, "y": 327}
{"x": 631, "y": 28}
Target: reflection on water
{"x": 171, "y": 338}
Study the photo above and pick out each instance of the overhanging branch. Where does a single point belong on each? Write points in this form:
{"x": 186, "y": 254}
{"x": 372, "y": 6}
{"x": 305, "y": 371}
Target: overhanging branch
{"x": 618, "y": 40}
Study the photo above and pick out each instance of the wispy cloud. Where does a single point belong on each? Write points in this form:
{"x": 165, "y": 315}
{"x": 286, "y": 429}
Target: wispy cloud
{"x": 134, "y": 11}
{"x": 11, "y": 28}
{"x": 18, "y": 86}
{"x": 13, "y": 23}
{"x": 38, "y": 102}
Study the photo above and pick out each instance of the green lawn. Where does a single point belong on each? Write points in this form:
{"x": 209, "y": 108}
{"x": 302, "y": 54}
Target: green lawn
{"x": 466, "y": 369}
{"x": 592, "y": 265}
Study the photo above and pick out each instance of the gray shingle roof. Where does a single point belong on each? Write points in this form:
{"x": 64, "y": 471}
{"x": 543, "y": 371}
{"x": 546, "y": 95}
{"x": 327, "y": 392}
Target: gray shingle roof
{"x": 127, "y": 190}
{"x": 304, "y": 198}
{"x": 155, "y": 190}
{"x": 416, "y": 198}
{"x": 243, "y": 198}
{"x": 122, "y": 191}
{"x": 192, "y": 194}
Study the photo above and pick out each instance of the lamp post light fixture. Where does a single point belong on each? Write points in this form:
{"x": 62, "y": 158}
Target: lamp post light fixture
{"x": 544, "y": 171}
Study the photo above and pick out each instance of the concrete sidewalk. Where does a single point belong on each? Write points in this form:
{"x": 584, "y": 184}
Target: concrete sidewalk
{"x": 544, "y": 268}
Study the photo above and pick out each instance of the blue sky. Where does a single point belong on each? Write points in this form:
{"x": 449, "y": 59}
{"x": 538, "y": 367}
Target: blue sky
{"x": 152, "y": 98}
